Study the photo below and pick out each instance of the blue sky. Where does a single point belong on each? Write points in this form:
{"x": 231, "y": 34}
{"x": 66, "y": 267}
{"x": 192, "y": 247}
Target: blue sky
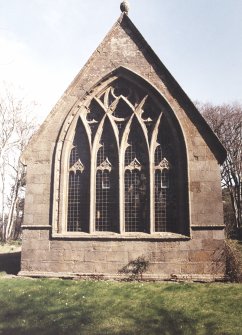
{"x": 44, "y": 43}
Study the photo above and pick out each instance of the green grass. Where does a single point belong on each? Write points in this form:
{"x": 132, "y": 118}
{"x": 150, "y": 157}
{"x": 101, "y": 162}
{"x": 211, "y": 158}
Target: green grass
{"x": 14, "y": 246}
{"x": 90, "y": 307}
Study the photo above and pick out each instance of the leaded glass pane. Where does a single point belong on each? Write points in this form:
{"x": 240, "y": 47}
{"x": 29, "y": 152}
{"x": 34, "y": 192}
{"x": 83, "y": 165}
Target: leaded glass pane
{"x": 136, "y": 181}
{"x": 79, "y": 183}
{"x": 107, "y": 195}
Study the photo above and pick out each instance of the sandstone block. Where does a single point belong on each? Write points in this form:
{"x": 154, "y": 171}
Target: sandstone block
{"x": 176, "y": 255}
{"x": 215, "y": 268}
{"x": 57, "y": 255}
{"x": 95, "y": 256}
{"x": 53, "y": 266}
{"x": 83, "y": 267}
{"x": 200, "y": 256}
{"x": 28, "y": 219}
{"x": 119, "y": 256}
{"x": 157, "y": 257}
{"x": 210, "y": 244}
{"x": 164, "y": 268}
{"x": 75, "y": 255}
{"x": 219, "y": 234}
{"x": 37, "y": 244}
{"x": 44, "y": 234}
{"x": 192, "y": 268}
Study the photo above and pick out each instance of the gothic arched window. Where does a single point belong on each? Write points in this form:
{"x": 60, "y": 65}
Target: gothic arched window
{"x": 126, "y": 166}
{"x": 107, "y": 181}
{"x": 79, "y": 185}
{"x": 136, "y": 179}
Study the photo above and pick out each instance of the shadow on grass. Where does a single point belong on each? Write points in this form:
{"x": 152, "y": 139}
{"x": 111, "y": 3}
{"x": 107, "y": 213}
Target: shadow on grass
{"x": 85, "y": 323}
{"x": 48, "y": 311}
{"x": 10, "y": 262}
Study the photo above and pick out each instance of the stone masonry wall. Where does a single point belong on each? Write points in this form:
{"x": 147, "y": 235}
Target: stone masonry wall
{"x": 200, "y": 258}
{"x": 122, "y": 48}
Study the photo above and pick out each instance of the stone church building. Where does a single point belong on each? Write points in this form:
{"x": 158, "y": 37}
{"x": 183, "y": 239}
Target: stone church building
{"x": 124, "y": 167}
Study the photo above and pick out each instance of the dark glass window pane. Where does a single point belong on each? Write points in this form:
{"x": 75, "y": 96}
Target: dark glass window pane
{"x": 107, "y": 187}
{"x": 136, "y": 181}
{"x": 79, "y": 183}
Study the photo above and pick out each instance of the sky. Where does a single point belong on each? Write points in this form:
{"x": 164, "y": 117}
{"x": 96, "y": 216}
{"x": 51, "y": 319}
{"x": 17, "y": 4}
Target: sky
{"x": 45, "y": 43}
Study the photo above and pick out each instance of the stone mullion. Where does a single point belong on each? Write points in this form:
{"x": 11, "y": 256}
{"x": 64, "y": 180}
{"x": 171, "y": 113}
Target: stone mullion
{"x": 152, "y": 192}
{"x": 83, "y": 117}
{"x": 151, "y": 177}
{"x": 123, "y": 147}
{"x": 121, "y": 192}
{"x": 116, "y": 134}
{"x": 95, "y": 148}
{"x": 153, "y": 147}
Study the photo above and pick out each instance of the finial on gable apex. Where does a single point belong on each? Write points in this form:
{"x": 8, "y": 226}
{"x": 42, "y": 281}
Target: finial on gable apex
{"x": 124, "y": 6}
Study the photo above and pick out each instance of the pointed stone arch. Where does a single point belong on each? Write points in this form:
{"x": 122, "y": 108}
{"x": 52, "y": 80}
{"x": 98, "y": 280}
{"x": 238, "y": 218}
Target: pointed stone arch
{"x": 121, "y": 99}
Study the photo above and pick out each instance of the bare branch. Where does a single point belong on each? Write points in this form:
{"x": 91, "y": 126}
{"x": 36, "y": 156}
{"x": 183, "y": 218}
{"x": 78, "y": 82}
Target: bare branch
{"x": 226, "y": 122}
{"x": 16, "y": 127}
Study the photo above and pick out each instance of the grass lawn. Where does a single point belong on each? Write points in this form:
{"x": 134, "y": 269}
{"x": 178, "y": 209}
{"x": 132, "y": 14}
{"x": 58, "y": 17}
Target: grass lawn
{"x": 10, "y": 247}
{"x": 58, "y": 307}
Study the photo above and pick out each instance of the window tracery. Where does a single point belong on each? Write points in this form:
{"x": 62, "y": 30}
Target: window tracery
{"x": 122, "y": 154}
{"x": 77, "y": 166}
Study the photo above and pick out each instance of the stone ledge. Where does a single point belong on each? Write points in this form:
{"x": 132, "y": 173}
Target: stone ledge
{"x": 209, "y": 227}
{"x": 36, "y": 227}
{"x": 121, "y": 277}
{"x": 126, "y": 236}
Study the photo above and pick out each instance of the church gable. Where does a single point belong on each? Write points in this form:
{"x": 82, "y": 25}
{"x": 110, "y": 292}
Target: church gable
{"x": 124, "y": 46}
{"x": 123, "y": 167}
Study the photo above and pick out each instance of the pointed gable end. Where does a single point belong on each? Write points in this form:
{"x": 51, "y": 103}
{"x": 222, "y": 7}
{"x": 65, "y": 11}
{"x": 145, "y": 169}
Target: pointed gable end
{"x": 125, "y": 47}
{"x": 124, "y": 156}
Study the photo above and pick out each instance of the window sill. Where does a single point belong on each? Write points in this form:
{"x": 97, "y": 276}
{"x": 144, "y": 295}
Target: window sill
{"x": 124, "y": 236}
